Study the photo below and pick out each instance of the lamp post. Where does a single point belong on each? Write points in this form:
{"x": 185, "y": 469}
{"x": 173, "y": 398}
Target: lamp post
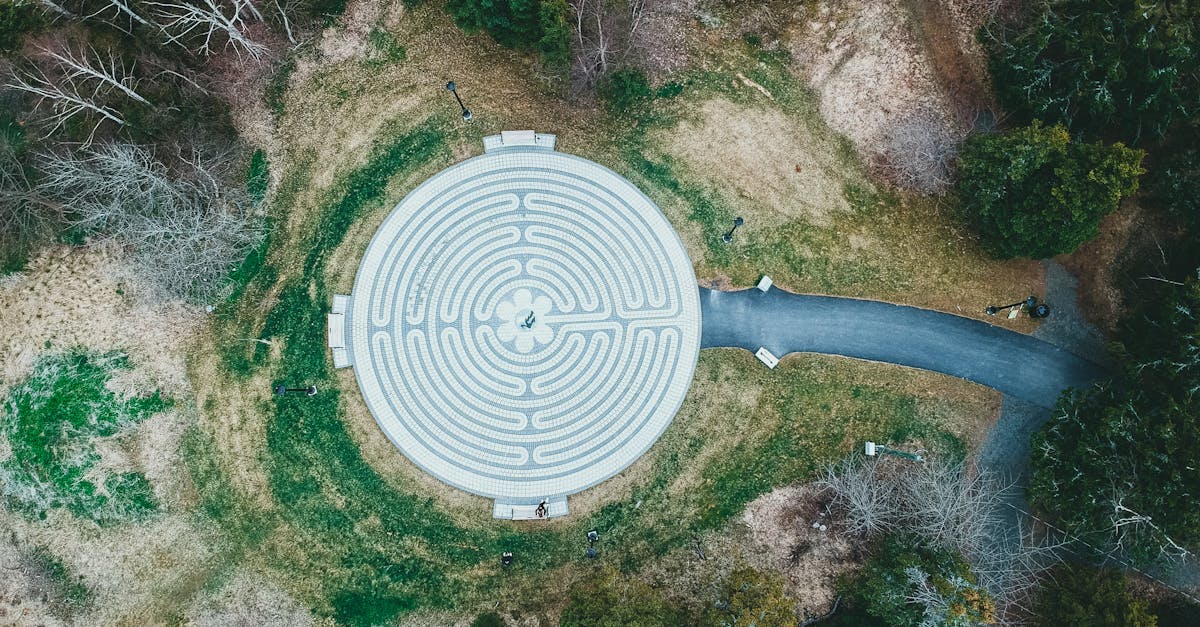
{"x": 1028, "y": 303}
{"x": 308, "y": 391}
{"x": 466, "y": 113}
{"x": 728, "y": 237}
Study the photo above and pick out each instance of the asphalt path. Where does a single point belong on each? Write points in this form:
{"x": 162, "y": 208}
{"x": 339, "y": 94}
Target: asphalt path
{"x": 1015, "y": 364}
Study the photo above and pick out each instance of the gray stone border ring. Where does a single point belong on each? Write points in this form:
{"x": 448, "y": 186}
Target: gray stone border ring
{"x": 523, "y": 325}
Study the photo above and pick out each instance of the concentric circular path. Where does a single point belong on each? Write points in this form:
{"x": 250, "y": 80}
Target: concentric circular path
{"x": 524, "y": 325}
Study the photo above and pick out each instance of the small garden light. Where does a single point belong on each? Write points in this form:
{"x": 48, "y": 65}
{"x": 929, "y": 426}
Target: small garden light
{"x": 728, "y": 237}
{"x": 308, "y": 391}
{"x": 466, "y": 113}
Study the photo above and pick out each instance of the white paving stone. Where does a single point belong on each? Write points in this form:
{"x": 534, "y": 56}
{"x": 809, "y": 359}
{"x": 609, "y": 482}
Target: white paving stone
{"x": 525, "y": 324}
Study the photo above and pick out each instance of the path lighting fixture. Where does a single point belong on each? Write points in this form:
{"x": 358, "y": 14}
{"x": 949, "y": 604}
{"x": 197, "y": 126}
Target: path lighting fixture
{"x": 728, "y": 237}
{"x": 466, "y": 113}
{"x": 506, "y": 558}
{"x": 1029, "y": 304}
{"x": 308, "y": 391}
{"x": 873, "y": 449}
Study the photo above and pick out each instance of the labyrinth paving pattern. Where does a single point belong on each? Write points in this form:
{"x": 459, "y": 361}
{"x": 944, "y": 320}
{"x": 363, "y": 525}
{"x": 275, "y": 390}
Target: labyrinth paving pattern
{"x": 524, "y": 325}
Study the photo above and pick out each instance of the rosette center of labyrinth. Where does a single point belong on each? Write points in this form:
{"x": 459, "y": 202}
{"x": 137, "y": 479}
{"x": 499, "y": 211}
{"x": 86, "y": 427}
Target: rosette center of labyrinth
{"x": 524, "y": 325}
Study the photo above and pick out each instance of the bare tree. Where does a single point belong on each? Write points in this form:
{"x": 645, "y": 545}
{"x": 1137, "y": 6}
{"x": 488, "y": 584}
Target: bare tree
{"x": 186, "y": 230}
{"x": 1127, "y": 523}
{"x": 121, "y": 7}
{"x": 56, "y": 8}
{"x": 26, "y": 215}
{"x": 918, "y": 150}
{"x": 604, "y": 31}
{"x": 67, "y": 98}
{"x": 951, "y": 507}
{"x": 194, "y": 26}
{"x": 864, "y": 495}
{"x": 108, "y": 70}
{"x": 947, "y": 506}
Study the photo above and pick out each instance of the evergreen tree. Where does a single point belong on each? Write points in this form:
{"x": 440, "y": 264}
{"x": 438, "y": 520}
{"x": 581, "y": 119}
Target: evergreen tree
{"x": 1118, "y": 69}
{"x": 1032, "y": 192}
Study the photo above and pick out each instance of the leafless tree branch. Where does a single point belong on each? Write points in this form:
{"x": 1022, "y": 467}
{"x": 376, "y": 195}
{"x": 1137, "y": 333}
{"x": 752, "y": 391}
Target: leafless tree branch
{"x": 194, "y": 27}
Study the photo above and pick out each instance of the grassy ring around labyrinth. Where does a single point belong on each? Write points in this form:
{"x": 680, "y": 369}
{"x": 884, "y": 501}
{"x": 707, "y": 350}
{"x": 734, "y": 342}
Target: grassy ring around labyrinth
{"x": 524, "y": 325}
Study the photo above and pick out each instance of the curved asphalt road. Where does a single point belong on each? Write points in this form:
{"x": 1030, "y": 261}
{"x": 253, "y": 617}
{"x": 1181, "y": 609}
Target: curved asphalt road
{"x": 1013, "y": 363}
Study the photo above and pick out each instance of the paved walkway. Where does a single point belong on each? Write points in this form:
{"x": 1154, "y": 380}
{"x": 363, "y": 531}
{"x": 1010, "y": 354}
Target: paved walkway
{"x": 1018, "y": 365}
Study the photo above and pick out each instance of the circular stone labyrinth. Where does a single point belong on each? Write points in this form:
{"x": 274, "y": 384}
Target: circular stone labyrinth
{"x": 524, "y": 325}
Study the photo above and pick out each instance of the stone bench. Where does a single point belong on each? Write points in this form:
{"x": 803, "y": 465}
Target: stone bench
{"x": 528, "y": 511}
{"x": 337, "y": 330}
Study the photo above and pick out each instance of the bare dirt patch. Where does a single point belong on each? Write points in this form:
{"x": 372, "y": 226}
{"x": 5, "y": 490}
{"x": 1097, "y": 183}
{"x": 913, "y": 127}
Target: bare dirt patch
{"x": 811, "y": 560}
{"x": 1097, "y": 261}
{"x": 791, "y": 173}
{"x": 873, "y": 74}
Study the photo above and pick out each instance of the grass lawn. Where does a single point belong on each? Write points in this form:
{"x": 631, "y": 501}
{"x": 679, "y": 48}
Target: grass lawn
{"x": 310, "y": 492}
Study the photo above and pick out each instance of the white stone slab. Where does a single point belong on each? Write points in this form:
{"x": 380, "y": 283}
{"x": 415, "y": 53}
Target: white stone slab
{"x": 766, "y": 357}
{"x": 337, "y": 330}
{"x": 765, "y": 283}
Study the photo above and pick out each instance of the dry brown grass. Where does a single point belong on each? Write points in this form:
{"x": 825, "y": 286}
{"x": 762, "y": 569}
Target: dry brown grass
{"x": 1096, "y": 261}
{"x": 762, "y": 155}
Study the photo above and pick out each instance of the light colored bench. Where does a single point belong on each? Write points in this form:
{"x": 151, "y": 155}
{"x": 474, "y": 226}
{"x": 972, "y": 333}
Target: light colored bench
{"x": 508, "y": 139}
{"x": 337, "y": 330}
{"x": 766, "y": 357}
{"x": 528, "y": 511}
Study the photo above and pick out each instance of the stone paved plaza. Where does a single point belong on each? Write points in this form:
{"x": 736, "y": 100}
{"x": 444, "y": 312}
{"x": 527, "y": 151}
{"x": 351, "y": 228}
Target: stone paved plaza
{"x": 524, "y": 325}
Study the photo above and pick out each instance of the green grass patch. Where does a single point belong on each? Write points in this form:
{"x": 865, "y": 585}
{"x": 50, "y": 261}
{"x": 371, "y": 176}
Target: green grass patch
{"x": 258, "y": 176}
{"x": 277, "y": 86}
{"x": 52, "y": 420}
{"x": 385, "y": 49}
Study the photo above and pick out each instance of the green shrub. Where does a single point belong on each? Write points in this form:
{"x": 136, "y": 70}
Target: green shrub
{"x": 1077, "y": 595}
{"x": 1031, "y": 192}
{"x": 609, "y": 599}
{"x": 17, "y": 19}
{"x": 555, "y": 42}
{"x": 899, "y": 567}
{"x": 627, "y": 92}
{"x": 258, "y": 177}
{"x": 751, "y": 597}
{"x": 540, "y": 25}
{"x": 1119, "y": 69}
{"x": 488, "y": 619}
{"x": 52, "y": 420}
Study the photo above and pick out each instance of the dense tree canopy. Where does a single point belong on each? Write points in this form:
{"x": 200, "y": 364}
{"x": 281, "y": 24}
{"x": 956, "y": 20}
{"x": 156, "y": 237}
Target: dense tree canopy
{"x": 1076, "y": 595}
{"x": 1032, "y": 192}
{"x": 521, "y": 24}
{"x": 1118, "y": 69}
{"x": 1121, "y": 462}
